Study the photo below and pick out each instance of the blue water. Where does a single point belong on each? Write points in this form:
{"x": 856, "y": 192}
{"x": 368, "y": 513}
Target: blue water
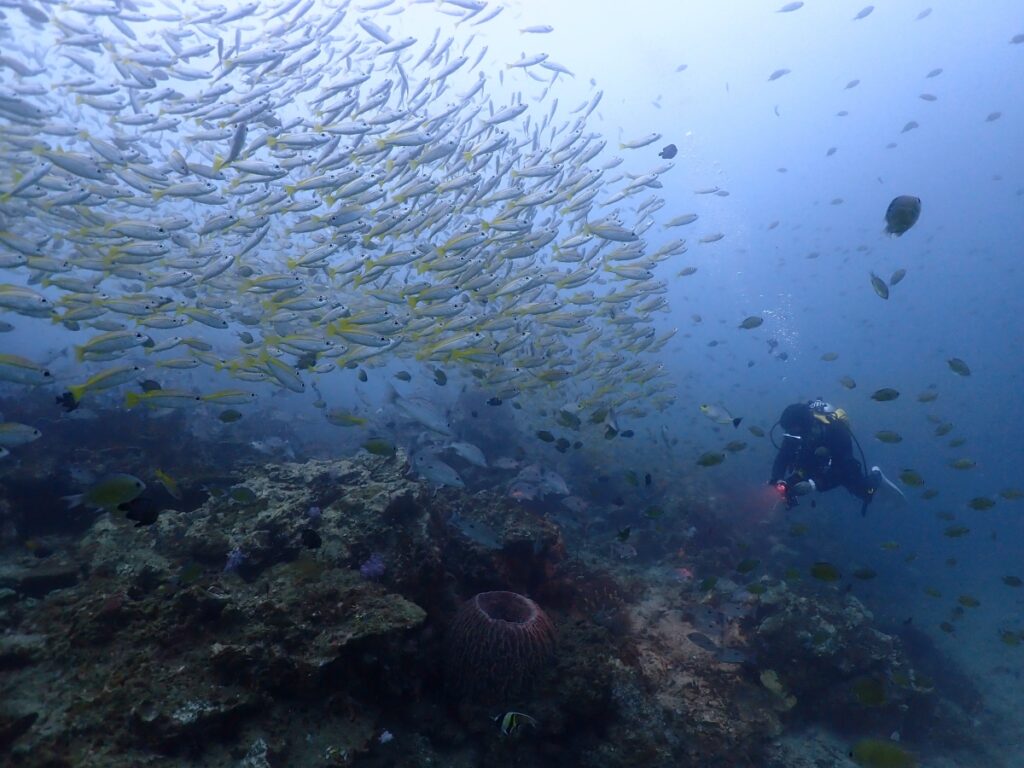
{"x": 803, "y": 231}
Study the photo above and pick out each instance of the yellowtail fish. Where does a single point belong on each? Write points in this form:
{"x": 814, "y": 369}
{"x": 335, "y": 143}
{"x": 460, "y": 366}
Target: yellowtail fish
{"x": 162, "y": 398}
{"x": 23, "y": 371}
{"x": 230, "y": 397}
{"x": 115, "y": 341}
{"x": 112, "y": 377}
{"x": 169, "y": 483}
{"x": 342, "y": 418}
{"x": 13, "y": 434}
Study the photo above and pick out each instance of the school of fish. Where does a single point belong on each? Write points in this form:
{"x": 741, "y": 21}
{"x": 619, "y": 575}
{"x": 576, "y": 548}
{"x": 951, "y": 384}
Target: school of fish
{"x": 276, "y": 190}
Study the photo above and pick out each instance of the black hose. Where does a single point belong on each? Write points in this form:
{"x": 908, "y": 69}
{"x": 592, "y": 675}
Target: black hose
{"x": 863, "y": 472}
{"x": 863, "y": 460}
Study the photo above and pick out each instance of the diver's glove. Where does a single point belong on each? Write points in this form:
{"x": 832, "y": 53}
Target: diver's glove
{"x": 790, "y": 491}
{"x": 803, "y": 488}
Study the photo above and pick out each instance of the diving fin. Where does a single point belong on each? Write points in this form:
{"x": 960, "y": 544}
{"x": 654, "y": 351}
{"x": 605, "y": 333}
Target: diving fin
{"x": 884, "y": 484}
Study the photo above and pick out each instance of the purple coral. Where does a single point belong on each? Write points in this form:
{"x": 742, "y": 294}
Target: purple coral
{"x": 497, "y": 644}
{"x": 374, "y": 567}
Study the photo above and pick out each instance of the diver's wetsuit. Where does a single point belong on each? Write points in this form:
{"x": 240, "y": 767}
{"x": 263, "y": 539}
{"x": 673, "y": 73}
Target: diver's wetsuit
{"x": 817, "y": 446}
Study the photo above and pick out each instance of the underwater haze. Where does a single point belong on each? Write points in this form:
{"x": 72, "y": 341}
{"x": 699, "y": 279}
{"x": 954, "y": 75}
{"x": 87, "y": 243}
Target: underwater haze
{"x": 398, "y": 383}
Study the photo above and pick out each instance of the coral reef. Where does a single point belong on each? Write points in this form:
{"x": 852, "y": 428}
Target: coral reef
{"x": 245, "y": 629}
{"x": 169, "y": 653}
{"x": 832, "y": 659}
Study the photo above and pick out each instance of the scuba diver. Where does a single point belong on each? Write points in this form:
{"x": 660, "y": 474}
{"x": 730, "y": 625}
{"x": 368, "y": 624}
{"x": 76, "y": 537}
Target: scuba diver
{"x": 817, "y": 455}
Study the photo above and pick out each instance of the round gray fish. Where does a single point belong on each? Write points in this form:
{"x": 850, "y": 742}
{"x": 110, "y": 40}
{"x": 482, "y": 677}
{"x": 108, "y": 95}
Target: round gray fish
{"x": 470, "y": 453}
{"x": 436, "y": 472}
{"x": 902, "y": 214}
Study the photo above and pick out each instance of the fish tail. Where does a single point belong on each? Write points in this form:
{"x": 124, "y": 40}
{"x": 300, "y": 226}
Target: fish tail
{"x": 77, "y": 391}
{"x": 131, "y": 399}
{"x": 736, "y": 422}
{"x": 79, "y": 354}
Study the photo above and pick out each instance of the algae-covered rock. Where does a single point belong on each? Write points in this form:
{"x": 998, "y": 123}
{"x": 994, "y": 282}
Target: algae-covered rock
{"x": 340, "y": 510}
{"x": 13, "y": 725}
{"x": 173, "y": 654}
{"x": 287, "y": 636}
{"x": 173, "y": 724}
{"x": 39, "y": 578}
{"x": 492, "y": 542}
{"x": 834, "y": 661}
{"x": 19, "y": 650}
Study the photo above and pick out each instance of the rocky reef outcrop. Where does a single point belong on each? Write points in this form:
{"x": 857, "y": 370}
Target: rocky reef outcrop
{"x": 301, "y": 613}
